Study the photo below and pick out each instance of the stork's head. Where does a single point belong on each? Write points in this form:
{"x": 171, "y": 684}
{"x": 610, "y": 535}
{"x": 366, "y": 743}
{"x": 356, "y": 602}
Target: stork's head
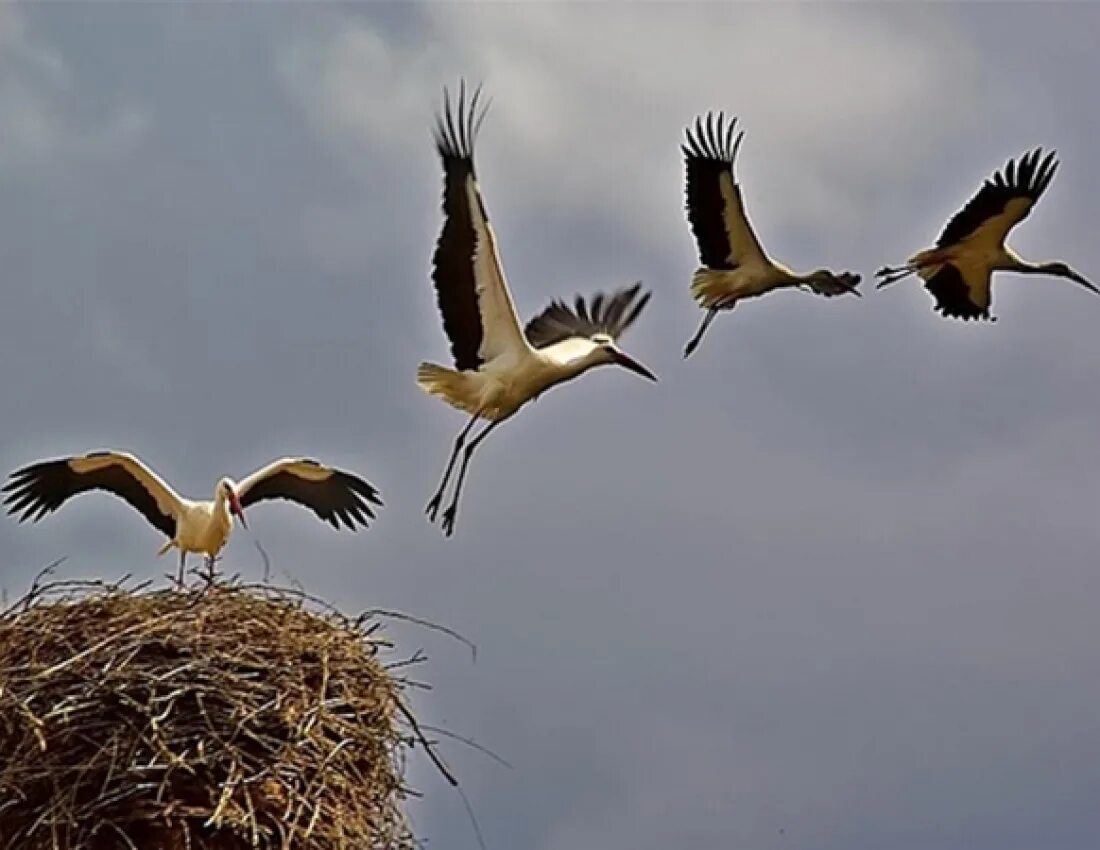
{"x": 227, "y": 490}
{"x": 606, "y": 351}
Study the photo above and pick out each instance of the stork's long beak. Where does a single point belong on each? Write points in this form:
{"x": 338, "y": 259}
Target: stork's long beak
{"x": 237, "y": 508}
{"x": 1085, "y": 283}
{"x": 625, "y": 360}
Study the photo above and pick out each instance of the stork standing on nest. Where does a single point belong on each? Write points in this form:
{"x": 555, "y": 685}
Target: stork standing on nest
{"x": 335, "y": 496}
{"x": 959, "y": 270}
{"x": 500, "y": 366}
{"x": 734, "y": 264}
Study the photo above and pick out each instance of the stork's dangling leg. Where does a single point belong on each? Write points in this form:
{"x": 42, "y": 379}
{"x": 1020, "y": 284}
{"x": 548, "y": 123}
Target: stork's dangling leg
{"x": 183, "y": 559}
{"x": 888, "y": 274}
{"x": 693, "y": 343}
{"x": 211, "y": 570}
{"x": 433, "y": 505}
{"x": 449, "y": 514}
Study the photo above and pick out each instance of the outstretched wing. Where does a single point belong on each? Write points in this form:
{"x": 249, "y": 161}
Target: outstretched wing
{"x": 723, "y": 235}
{"x": 41, "y": 488}
{"x": 1003, "y": 201}
{"x": 335, "y": 496}
{"x": 478, "y": 314}
{"x": 605, "y": 315}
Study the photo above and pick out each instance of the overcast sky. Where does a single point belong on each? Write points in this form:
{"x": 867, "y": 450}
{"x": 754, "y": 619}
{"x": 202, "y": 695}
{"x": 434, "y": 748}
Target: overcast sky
{"x": 831, "y": 584}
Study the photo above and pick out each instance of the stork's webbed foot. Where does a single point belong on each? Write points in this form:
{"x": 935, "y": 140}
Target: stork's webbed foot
{"x": 432, "y": 510}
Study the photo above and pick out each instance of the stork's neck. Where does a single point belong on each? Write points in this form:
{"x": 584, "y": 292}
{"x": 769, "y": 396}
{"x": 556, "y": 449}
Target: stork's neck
{"x": 221, "y": 517}
{"x": 222, "y": 513}
{"x": 1028, "y": 267}
{"x": 1016, "y": 263}
{"x": 571, "y": 357}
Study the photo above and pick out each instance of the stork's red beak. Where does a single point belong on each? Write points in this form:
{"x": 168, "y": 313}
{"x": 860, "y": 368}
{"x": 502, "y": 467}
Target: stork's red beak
{"x": 628, "y": 362}
{"x": 237, "y": 508}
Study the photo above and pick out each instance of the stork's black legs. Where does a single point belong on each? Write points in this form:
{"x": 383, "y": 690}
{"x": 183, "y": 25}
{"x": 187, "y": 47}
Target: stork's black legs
{"x": 693, "y": 343}
{"x": 449, "y": 514}
{"x": 888, "y": 274}
{"x": 433, "y": 505}
{"x": 183, "y": 559}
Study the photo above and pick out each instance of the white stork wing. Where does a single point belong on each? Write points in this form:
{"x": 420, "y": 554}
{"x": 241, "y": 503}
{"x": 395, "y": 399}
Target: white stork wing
{"x": 610, "y": 316}
{"x": 478, "y": 314}
{"x": 333, "y": 495}
{"x": 723, "y": 235}
{"x": 1003, "y": 201}
{"x": 41, "y": 488}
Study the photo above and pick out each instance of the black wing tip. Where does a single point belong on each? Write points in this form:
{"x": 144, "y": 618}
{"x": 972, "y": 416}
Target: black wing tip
{"x": 1029, "y": 173}
{"x": 711, "y": 139}
{"x": 25, "y": 498}
{"x": 976, "y": 316}
{"x": 458, "y": 123}
{"x": 363, "y": 501}
{"x": 32, "y": 470}
{"x": 23, "y": 490}
{"x": 614, "y": 313}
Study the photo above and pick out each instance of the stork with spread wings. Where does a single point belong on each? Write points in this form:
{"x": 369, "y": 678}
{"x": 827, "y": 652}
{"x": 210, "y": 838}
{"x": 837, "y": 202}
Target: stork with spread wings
{"x": 499, "y": 366}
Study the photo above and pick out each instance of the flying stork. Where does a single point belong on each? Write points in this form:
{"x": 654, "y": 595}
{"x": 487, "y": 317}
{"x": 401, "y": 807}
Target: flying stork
{"x": 335, "y": 496}
{"x": 959, "y": 269}
{"x": 499, "y": 365}
{"x": 733, "y": 262}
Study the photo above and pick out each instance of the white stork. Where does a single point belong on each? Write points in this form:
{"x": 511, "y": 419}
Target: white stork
{"x": 335, "y": 496}
{"x": 499, "y": 364}
{"x": 734, "y": 264}
{"x": 959, "y": 270}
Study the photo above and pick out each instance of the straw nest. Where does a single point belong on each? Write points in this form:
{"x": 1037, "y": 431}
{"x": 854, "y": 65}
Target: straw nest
{"x": 215, "y": 719}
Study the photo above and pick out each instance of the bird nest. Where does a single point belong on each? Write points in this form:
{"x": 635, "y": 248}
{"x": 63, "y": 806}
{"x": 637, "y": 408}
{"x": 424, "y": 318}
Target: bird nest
{"x": 215, "y": 719}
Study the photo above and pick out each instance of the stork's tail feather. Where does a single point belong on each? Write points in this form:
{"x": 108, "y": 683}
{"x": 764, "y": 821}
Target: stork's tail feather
{"x": 711, "y": 288}
{"x": 450, "y": 385}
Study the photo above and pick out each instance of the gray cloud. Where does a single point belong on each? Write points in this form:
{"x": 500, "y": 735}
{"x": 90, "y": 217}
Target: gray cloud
{"x": 832, "y": 577}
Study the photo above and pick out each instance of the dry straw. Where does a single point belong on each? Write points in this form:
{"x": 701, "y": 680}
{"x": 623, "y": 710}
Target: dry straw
{"x": 218, "y": 718}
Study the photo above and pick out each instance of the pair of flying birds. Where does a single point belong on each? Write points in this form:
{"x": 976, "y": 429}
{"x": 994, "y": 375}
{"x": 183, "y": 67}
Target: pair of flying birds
{"x": 501, "y": 365}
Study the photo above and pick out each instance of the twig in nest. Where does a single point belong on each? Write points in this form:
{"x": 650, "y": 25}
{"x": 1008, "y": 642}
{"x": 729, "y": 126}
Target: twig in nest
{"x": 428, "y": 624}
{"x": 469, "y": 742}
{"x": 424, "y": 742}
{"x": 263, "y": 554}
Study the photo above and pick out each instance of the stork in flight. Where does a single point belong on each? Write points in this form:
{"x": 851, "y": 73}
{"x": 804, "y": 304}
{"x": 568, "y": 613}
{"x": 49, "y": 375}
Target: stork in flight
{"x": 335, "y": 496}
{"x": 500, "y": 365}
{"x": 958, "y": 271}
{"x": 734, "y": 264}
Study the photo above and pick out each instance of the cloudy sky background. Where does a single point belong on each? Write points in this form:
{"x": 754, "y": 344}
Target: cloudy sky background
{"x": 831, "y": 584}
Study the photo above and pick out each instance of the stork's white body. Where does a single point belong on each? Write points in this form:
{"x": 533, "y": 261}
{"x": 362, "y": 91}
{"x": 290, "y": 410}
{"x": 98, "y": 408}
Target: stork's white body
{"x": 503, "y": 385}
{"x": 202, "y": 527}
{"x": 755, "y": 276}
{"x": 975, "y": 258}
